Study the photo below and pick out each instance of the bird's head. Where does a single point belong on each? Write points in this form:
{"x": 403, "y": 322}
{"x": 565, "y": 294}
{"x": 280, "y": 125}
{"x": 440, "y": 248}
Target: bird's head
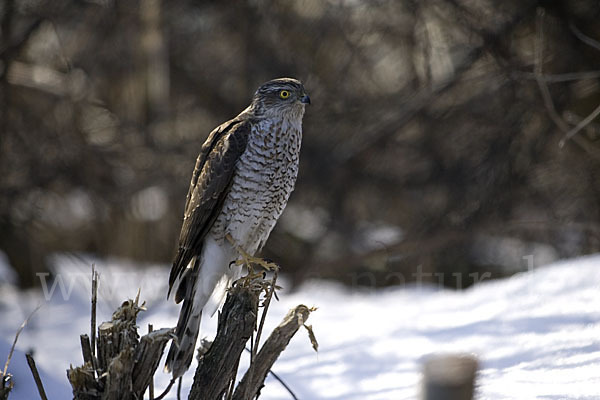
{"x": 280, "y": 97}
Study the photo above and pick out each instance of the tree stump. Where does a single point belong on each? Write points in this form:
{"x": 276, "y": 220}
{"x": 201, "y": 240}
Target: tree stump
{"x": 124, "y": 363}
{"x": 449, "y": 377}
{"x": 218, "y": 367}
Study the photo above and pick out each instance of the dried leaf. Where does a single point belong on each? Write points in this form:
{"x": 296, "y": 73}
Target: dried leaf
{"x": 312, "y": 337}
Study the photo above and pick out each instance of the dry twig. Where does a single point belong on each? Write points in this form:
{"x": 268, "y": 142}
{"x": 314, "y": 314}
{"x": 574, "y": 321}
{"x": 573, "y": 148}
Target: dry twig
{"x": 94, "y": 301}
{"x": 547, "y": 98}
{"x": 151, "y": 386}
{"x": 542, "y": 84}
{"x": 12, "y": 348}
{"x": 255, "y": 343}
{"x": 585, "y": 122}
{"x": 583, "y": 37}
{"x": 36, "y": 376}
{"x": 6, "y": 383}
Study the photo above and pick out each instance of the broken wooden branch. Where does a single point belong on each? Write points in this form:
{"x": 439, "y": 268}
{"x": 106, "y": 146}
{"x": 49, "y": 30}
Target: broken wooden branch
{"x": 255, "y": 342}
{"x": 236, "y": 323}
{"x": 6, "y": 382}
{"x": 93, "y": 310}
{"x": 123, "y": 364}
{"x": 251, "y": 384}
{"x": 6, "y": 385}
{"x": 147, "y": 357}
{"x": 36, "y": 376}
{"x": 217, "y": 367}
{"x": 86, "y": 349}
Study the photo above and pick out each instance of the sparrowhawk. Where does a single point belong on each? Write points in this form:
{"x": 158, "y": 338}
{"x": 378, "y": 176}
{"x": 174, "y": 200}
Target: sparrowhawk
{"x": 244, "y": 175}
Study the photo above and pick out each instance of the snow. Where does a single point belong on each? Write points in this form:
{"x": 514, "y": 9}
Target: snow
{"x": 536, "y": 334}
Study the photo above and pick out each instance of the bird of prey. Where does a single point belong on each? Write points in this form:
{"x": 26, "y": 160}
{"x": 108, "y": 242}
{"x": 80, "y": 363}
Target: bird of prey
{"x": 244, "y": 175}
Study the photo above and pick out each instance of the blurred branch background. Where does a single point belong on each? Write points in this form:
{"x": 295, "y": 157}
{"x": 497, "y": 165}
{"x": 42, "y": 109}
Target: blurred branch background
{"x": 432, "y": 142}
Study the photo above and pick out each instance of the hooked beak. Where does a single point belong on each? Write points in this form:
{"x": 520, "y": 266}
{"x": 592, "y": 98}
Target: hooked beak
{"x": 305, "y": 99}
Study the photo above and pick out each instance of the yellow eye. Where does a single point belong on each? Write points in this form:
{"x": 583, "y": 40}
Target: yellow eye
{"x": 284, "y": 94}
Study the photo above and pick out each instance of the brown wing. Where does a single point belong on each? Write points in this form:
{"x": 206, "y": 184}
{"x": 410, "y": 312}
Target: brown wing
{"x": 210, "y": 184}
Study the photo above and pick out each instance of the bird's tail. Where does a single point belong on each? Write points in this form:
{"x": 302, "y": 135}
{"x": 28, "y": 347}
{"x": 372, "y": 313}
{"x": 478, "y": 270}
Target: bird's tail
{"x": 181, "y": 351}
{"x": 202, "y": 288}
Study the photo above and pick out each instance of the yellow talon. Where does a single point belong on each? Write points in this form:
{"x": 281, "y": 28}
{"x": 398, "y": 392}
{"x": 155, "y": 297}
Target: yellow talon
{"x": 250, "y": 261}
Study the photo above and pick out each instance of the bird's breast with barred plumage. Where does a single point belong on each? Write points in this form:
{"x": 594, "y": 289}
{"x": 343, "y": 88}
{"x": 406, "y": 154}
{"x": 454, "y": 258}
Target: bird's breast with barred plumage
{"x": 264, "y": 179}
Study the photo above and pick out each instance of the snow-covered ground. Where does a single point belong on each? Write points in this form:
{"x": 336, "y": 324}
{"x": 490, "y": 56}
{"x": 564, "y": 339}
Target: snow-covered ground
{"x": 537, "y": 337}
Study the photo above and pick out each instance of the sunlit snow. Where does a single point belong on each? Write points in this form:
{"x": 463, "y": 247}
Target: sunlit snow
{"x": 536, "y": 334}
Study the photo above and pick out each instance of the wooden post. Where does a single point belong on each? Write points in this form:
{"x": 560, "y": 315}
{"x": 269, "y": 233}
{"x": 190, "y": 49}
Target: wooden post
{"x": 217, "y": 367}
{"x": 449, "y": 377}
{"x": 251, "y": 383}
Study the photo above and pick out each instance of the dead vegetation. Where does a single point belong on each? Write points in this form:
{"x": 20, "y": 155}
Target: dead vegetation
{"x": 121, "y": 364}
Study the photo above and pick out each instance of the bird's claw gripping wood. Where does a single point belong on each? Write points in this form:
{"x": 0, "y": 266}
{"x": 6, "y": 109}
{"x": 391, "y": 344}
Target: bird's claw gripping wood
{"x": 251, "y": 261}
{"x": 254, "y": 281}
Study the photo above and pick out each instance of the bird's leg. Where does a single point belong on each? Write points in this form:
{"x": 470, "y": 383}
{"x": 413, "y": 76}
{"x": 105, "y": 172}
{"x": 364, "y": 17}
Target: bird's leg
{"x": 251, "y": 260}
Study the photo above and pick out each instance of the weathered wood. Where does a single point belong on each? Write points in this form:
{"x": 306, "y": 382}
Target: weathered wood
{"x": 86, "y": 349}
{"x": 151, "y": 385}
{"x": 84, "y": 383}
{"x": 236, "y": 323}
{"x": 93, "y": 310}
{"x": 125, "y": 363}
{"x": 119, "y": 385}
{"x": 254, "y": 378}
{"x": 449, "y": 377}
{"x": 147, "y": 357}
{"x": 118, "y": 334}
{"x": 6, "y": 382}
{"x": 36, "y": 376}
{"x": 6, "y": 385}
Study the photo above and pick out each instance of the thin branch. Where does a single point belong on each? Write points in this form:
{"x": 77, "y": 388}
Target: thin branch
{"x": 289, "y": 390}
{"x": 586, "y": 121}
{"x": 36, "y": 376}
{"x": 569, "y": 133}
{"x": 538, "y": 53}
{"x": 12, "y": 348}
{"x": 587, "y": 146}
{"x": 280, "y": 380}
{"x": 167, "y": 390}
{"x": 556, "y": 78}
{"x": 267, "y": 302}
{"x": 151, "y": 386}
{"x": 94, "y": 301}
{"x": 255, "y": 343}
{"x": 547, "y": 98}
{"x": 583, "y": 37}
